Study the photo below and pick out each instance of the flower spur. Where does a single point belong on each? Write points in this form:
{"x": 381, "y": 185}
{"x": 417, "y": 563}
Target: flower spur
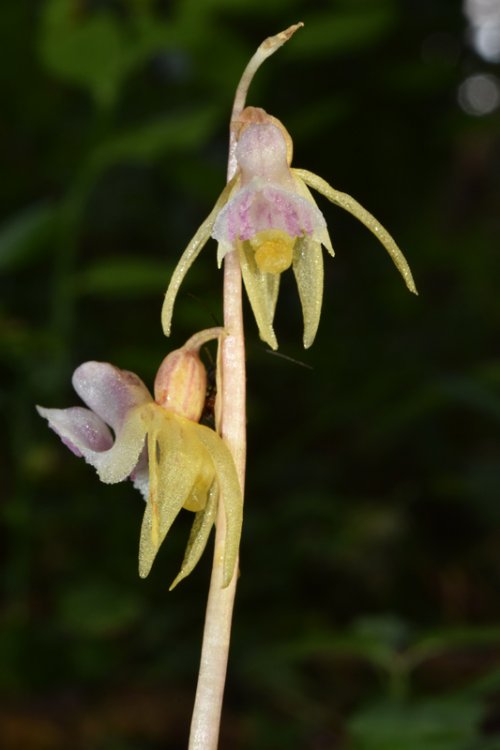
{"x": 267, "y": 214}
{"x": 174, "y": 461}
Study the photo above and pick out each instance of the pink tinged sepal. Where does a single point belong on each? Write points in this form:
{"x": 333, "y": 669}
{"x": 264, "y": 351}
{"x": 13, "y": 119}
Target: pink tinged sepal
{"x": 108, "y": 391}
{"x": 80, "y": 429}
{"x": 115, "y": 397}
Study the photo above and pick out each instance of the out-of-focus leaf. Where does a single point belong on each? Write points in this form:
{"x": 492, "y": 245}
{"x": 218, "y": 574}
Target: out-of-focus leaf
{"x": 98, "y": 609}
{"x": 488, "y": 683}
{"x": 88, "y": 51}
{"x": 149, "y": 141}
{"x": 448, "y": 639}
{"x": 124, "y": 277}
{"x": 329, "y": 34}
{"x": 448, "y": 723}
{"x": 378, "y": 640}
{"x": 96, "y": 50}
{"x": 471, "y": 392}
{"x": 24, "y": 237}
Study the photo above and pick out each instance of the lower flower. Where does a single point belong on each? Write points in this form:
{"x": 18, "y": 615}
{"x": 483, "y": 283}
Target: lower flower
{"x": 174, "y": 461}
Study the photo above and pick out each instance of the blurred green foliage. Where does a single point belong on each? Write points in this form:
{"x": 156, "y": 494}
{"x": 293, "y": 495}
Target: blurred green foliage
{"x": 368, "y": 614}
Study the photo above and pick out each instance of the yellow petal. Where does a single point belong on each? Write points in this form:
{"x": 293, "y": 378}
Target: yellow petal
{"x": 229, "y": 494}
{"x": 262, "y": 290}
{"x": 308, "y": 270}
{"x": 172, "y": 474}
{"x": 198, "y": 537}
{"x": 115, "y": 464}
{"x": 197, "y": 498}
{"x": 353, "y": 207}
{"x": 189, "y": 256}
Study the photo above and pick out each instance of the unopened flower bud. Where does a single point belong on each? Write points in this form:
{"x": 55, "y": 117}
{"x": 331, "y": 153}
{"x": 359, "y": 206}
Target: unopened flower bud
{"x": 181, "y": 382}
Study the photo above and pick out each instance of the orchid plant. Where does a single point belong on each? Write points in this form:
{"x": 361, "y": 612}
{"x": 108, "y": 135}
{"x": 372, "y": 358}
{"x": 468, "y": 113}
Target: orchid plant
{"x": 265, "y": 221}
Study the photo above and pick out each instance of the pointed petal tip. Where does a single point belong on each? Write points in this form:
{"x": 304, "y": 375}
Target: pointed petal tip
{"x": 405, "y": 272}
{"x": 269, "y": 338}
{"x": 179, "y": 577}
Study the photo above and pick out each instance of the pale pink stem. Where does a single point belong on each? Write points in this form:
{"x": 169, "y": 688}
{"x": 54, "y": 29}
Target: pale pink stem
{"x": 217, "y": 632}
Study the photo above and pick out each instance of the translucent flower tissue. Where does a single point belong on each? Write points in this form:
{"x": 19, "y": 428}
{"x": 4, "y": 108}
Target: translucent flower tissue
{"x": 268, "y": 216}
{"x": 158, "y": 444}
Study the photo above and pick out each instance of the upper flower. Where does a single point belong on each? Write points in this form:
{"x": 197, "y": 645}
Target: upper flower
{"x": 174, "y": 461}
{"x": 268, "y": 216}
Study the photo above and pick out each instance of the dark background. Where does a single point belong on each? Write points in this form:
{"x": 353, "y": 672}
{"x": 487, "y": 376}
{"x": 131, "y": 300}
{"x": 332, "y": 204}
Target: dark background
{"x": 367, "y": 615}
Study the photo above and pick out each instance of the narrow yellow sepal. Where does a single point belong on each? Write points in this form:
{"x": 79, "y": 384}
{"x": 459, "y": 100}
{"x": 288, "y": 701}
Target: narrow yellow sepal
{"x": 349, "y": 204}
{"x": 308, "y": 270}
{"x": 230, "y": 494}
{"x": 189, "y": 256}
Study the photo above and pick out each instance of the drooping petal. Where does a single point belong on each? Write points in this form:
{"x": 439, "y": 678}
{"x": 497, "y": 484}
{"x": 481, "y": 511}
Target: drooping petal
{"x": 308, "y": 270}
{"x": 109, "y": 391}
{"x": 353, "y": 207}
{"x": 198, "y": 537}
{"x": 82, "y": 431}
{"x": 173, "y": 468}
{"x": 230, "y": 494}
{"x": 262, "y": 290}
{"x": 189, "y": 256}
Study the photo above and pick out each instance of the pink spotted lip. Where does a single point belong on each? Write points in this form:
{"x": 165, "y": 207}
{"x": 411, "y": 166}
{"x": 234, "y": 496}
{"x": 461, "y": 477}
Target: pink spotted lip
{"x": 260, "y": 207}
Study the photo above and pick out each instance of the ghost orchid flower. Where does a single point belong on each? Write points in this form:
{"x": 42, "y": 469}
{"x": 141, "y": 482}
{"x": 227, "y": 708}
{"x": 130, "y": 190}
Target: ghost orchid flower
{"x": 158, "y": 444}
{"x": 267, "y": 214}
